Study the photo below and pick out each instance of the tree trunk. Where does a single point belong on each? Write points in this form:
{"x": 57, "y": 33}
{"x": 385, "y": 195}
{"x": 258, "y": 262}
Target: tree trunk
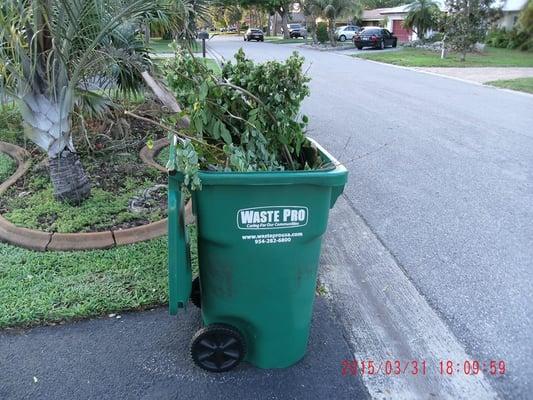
{"x": 147, "y": 34}
{"x": 68, "y": 177}
{"x": 285, "y": 23}
{"x": 331, "y": 32}
{"x": 268, "y": 32}
{"x": 463, "y": 56}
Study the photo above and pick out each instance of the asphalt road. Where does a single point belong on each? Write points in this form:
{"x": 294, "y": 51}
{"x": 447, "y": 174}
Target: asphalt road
{"x": 441, "y": 171}
{"x": 146, "y": 356}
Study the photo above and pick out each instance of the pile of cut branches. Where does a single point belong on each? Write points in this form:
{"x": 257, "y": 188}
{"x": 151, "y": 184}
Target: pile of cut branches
{"x": 245, "y": 119}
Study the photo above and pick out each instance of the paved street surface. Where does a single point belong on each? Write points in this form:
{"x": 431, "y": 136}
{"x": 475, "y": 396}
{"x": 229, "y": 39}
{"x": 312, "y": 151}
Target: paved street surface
{"x": 441, "y": 177}
{"x": 145, "y": 356}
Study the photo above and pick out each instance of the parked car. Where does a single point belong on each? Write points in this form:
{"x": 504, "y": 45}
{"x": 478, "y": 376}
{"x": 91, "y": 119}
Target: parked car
{"x": 254, "y": 34}
{"x": 346, "y": 32}
{"x": 297, "y": 30}
{"x": 376, "y": 37}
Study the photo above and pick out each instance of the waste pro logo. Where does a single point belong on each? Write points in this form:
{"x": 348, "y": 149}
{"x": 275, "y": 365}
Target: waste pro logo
{"x": 275, "y": 217}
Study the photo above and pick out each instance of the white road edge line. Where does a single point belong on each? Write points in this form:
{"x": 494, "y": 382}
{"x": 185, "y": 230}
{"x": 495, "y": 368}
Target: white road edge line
{"x": 386, "y": 318}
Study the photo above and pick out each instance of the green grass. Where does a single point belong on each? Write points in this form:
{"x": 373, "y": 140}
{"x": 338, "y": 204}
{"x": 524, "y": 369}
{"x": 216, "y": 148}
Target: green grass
{"x": 280, "y": 40}
{"x": 492, "y": 57}
{"x": 11, "y": 124}
{"x": 211, "y": 64}
{"x": 159, "y": 45}
{"x": 7, "y": 167}
{"x": 520, "y": 84}
{"x": 162, "y": 157}
{"x": 38, "y": 288}
{"x": 45, "y": 287}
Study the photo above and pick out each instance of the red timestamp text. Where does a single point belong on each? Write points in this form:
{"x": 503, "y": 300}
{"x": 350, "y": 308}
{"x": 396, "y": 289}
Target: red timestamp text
{"x": 422, "y": 367}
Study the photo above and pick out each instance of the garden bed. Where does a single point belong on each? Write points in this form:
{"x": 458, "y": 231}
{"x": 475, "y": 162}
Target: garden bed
{"x": 125, "y": 192}
{"x": 7, "y": 167}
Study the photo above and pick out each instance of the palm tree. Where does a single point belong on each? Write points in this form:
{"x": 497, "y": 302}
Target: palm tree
{"x": 50, "y": 50}
{"x": 421, "y": 16}
{"x": 332, "y": 10}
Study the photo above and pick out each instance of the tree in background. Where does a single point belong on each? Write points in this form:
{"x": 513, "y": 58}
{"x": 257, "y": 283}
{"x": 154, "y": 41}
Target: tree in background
{"x": 525, "y": 25}
{"x": 332, "y": 10}
{"x": 49, "y": 52}
{"x": 466, "y": 23}
{"x": 421, "y": 17}
{"x": 283, "y": 8}
{"x": 233, "y": 16}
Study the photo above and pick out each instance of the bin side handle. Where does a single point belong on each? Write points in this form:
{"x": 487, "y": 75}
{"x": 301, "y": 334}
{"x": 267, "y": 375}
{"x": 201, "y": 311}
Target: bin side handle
{"x": 179, "y": 265}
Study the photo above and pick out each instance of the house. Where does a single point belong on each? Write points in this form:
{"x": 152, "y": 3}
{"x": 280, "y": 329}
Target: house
{"x": 392, "y": 18}
{"x": 510, "y": 11}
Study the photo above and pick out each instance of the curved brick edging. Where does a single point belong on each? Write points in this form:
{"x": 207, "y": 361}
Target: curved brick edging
{"x": 43, "y": 241}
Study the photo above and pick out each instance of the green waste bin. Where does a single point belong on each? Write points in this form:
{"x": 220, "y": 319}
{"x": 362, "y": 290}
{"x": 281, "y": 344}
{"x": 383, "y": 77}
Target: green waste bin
{"x": 259, "y": 239}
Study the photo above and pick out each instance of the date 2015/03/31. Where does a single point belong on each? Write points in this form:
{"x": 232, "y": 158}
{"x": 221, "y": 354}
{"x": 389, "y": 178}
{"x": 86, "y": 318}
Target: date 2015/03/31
{"x": 422, "y": 367}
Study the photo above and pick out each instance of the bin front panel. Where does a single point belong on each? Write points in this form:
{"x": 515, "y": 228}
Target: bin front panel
{"x": 259, "y": 250}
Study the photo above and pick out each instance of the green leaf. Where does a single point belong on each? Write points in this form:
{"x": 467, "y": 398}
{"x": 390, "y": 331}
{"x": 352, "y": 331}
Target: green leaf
{"x": 202, "y": 93}
{"x": 224, "y": 133}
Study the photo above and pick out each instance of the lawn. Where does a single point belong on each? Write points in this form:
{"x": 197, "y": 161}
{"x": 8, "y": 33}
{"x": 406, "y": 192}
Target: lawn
{"x": 38, "y": 288}
{"x": 7, "y": 167}
{"x": 159, "y": 45}
{"x": 280, "y": 40}
{"x": 492, "y": 57}
{"x": 45, "y": 287}
{"x": 211, "y": 63}
{"x": 520, "y": 84}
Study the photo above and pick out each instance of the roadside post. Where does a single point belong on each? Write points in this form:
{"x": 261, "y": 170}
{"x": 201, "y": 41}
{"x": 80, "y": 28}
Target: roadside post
{"x": 203, "y": 35}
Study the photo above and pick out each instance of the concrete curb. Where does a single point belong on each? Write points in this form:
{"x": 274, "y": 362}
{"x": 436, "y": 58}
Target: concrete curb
{"x": 51, "y": 241}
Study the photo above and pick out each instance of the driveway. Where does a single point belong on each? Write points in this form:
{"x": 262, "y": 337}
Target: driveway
{"x": 482, "y": 75}
{"x": 436, "y": 218}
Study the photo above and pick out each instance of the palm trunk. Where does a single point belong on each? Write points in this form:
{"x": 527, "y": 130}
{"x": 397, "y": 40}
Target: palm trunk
{"x": 68, "y": 177}
{"x": 49, "y": 128}
{"x": 331, "y": 32}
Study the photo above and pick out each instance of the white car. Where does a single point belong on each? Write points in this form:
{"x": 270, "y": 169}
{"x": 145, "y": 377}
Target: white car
{"x": 346, "y": 32}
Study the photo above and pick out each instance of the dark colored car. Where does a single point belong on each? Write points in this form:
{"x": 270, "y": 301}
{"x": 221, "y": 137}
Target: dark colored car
{"x": 297, "y": 31}
{"x": 376, "y": 37}
{"x": 254, "y": 34}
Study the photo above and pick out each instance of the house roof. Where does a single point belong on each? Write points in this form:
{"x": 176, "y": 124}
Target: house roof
{"x": 513, "y": 5}
{"x": 372, "y": 15}
{"x": 395, "y": 10}
{"x": 380, "y": 13}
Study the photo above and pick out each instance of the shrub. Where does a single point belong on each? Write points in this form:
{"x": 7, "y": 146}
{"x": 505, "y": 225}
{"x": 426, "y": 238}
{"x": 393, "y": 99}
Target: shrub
{"x": 322, "y": 32}
{"x": 513, "y": 39}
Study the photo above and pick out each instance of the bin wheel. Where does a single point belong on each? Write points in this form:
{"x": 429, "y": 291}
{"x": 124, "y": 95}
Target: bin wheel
{"x": 217, "y": 348}
{"x": 196, "y": 296}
